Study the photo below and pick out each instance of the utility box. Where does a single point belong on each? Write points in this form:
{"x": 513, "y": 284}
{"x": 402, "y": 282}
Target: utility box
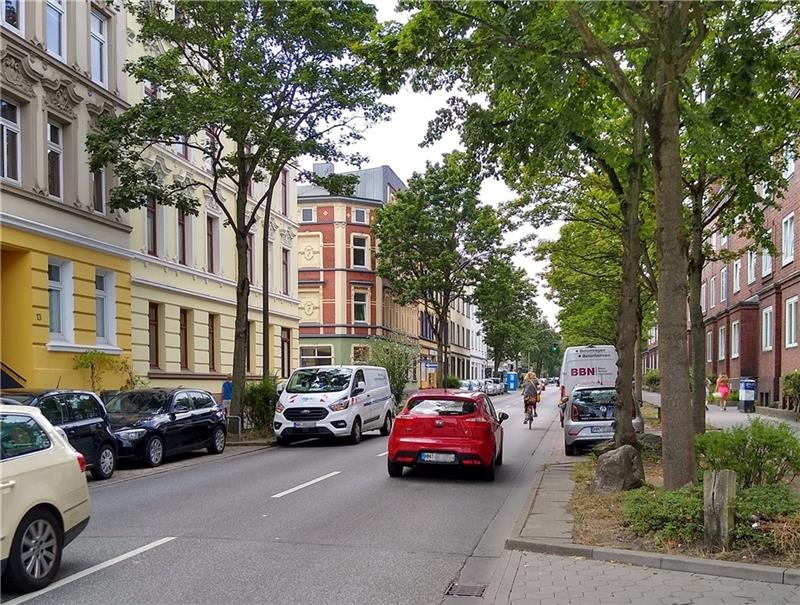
{"x": 747, "y": 395}
{"x": 512, "y": 381}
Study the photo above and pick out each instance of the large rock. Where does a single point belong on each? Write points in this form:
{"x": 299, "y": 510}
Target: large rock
{"x": 598, "y": 449}
{"x": 618, "y": 470}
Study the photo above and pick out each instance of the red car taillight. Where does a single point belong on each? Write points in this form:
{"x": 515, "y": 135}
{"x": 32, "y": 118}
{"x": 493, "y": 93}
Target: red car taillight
{"x": 81, "y": 461}
{"x": 478, "y": 422}
{"x": 574, "y": 413}
{"x": 562, "y": 391}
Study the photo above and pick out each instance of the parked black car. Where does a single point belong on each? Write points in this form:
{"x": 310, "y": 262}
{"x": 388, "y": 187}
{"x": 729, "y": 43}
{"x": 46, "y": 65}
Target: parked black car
{"x": 150, "y": 424}
{"x": 82, "y": 416}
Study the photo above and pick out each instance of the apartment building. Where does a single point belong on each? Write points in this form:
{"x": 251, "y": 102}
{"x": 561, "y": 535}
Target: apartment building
{"x": 479, "y": 364}
{"x": 66, "y": 285}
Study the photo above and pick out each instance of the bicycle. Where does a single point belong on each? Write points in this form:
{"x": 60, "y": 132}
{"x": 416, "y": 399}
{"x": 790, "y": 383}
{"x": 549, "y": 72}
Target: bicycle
{"x": 530, "y": 410}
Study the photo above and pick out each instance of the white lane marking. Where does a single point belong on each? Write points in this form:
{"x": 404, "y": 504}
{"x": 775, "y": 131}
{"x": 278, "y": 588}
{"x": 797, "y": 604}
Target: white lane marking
{"x": 383, "y": 454}
{"x": 306, "y": 484}
{"x": 305, "y": 441}
{"x": 89, "y": 571}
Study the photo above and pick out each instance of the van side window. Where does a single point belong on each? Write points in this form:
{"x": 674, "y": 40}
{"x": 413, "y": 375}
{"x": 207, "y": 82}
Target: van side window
{"x": 359, "y": 378}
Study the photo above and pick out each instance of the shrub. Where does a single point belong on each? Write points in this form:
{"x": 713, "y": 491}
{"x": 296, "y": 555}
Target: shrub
{"x": 734, "y": 396}
{"x": 791, "y": 386}
{"x": 761, "y": 453}
{"x": 98, "y": 363}
{"x": 452, "y": 382}
{"x": 398, "y": 357}
{"x": 652, "y": 380}
{"x": 757, "y": 509}
{"x": 258, "y": 404}
{"x": 670, "y": 515}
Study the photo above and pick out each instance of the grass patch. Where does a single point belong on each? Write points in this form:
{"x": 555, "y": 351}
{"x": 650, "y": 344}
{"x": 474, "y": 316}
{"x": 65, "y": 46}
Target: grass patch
{"x": 650, "y": 416}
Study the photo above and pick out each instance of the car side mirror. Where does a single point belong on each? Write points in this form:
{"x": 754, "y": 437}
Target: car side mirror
{"x": 503, "y": 417}
{"x": 360, "y": 388}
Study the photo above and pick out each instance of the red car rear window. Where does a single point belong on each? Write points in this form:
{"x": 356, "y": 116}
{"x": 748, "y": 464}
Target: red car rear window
{"x": 442, "y": 407}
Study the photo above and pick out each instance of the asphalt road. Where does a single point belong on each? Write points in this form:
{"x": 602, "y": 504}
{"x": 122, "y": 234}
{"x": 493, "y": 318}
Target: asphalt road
{"x": 313, "y": 523}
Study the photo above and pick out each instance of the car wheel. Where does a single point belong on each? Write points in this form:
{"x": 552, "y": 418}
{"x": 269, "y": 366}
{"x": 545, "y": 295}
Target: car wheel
{"x": 387, "y": 424}
{"x": 499, "y": 460}
{"x": 36, "y": 551}
{"x": 569, "y": 449}
{"x": 395, "y": 470}
{"x": 154, "y": 451}
{"x": 355, "y": 433}
{"x": 106, "y": 463}
{"x": 488, "y": 471}
{"x": 217, "y": 441}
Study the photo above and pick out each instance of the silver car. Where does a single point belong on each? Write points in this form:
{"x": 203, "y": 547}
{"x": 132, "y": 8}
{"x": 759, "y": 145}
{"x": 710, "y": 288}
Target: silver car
{"x": 589, "y": 417}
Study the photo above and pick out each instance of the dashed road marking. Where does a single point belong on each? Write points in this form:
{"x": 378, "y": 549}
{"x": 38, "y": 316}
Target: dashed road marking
{"x": 306, "y": 484}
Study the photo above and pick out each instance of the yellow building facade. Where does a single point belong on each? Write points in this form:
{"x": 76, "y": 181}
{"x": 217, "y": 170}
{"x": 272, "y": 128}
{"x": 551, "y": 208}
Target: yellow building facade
{"x": 65, "y": 284}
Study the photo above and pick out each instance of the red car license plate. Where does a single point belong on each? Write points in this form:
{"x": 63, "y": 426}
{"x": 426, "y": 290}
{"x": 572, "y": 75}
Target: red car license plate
{"x": 436, "y": 457}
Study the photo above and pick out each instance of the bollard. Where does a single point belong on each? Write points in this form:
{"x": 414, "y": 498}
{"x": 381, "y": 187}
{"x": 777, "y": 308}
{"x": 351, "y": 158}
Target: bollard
{"x": 719, "y": 492}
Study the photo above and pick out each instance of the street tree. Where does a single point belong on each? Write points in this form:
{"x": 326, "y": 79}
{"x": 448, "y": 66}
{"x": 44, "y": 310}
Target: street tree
{"x": 435, "y": 241}
{"x": 265, "y": 82}
{"x": 398, "y": 357}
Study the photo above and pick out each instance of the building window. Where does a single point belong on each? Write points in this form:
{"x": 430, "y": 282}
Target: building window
{"x": 99, "y": 48}
{"x": 316, "y": 356}
{"x": 285, "y": 269}
{"x": 285, "y": 192}
{"x": 791, "y": 322}
{"x": 709, "y": 347}
{"x": 723, "y": 241}
{"x": 360, "y": 354}
{"x": 99, "y": 190}
{"x": 104, "y": 307}
{"x": 359, "y": 251}
{"x": 182, "y": 147}
{"x": 9, "y": 127}
{"x": 787, "y": 239}
{"x": 209, "y": 154}
{"x": 766, "y": 329}
{"x": 790, "y": 157}
{"x": 152, "y": 227}
{"x": 153, "y": 329}
{"x": 59, "y": 289}
{"x": 712, "y": 294}
{"x": 211, "y": 243}
{"x": 723, "y": 339}
{"x": 55, "y": 159}
{"x": 248, "y": 342}
{"x": 360, "y": 306}
{"x": 751, "y": 266}
{"x": 360, "y": 216}
{"x": 150, "y": 90}
{"x": 212, "y": 342}
{"x": 703, "y": 297}
{"x": 12, "y": 14}
{"x": 766, "y": 259}
{"x": 251, "y": 255}
{"x": 723, "y": 284}
{"x": 735, "y": 340}
{"x": 737, "y": 275}
{"x": 307, "y": 215}
{"x": 184, "y": 338}
{"x": 181, "y": 243}
{"x": 286, "y": 352}
{"x": 55, "y": 28}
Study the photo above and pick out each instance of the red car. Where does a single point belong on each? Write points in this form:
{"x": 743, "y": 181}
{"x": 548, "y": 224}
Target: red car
{"x": 448, "y": 428}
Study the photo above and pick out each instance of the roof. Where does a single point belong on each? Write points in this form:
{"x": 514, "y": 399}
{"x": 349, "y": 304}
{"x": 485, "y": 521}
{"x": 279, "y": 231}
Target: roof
{"x": 372, "y": 186}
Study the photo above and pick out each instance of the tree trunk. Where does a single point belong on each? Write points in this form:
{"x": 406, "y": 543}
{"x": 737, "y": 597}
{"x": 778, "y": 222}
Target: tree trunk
{"x": 266, "y": 345}
{"x": 637, "y": 363}
{"x": 678, "y": 452}
{"x": 441, "y": 346}
{"x": 696, "y": 261}
{"x": 628, "y": 320}
{"x": 242, "y": 304}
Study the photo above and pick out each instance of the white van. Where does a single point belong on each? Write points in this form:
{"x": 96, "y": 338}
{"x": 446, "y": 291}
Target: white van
{"x": 592, "y": 365}
{"x": 334, "y": 401}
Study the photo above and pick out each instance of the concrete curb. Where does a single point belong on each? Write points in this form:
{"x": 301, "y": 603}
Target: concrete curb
{"x": 253, "y": 443}
{"x": 710, "y": 567}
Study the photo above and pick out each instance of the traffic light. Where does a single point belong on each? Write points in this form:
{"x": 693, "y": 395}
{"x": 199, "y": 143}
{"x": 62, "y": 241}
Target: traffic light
{"x": 554, "y": 347}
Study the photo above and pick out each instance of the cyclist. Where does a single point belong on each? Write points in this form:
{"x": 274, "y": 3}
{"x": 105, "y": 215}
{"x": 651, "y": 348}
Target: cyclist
{"x": 530, "y": 395}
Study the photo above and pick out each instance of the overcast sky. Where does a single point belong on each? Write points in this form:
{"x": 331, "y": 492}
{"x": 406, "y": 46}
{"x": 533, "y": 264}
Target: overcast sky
{"x": 396, "y": 143}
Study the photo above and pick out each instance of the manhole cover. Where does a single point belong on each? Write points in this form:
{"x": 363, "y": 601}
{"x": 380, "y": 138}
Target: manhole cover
{"x": 466, "y": 590}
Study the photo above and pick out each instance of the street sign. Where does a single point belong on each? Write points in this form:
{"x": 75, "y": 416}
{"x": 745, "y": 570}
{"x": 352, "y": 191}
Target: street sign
{"x": 431, "y": 366}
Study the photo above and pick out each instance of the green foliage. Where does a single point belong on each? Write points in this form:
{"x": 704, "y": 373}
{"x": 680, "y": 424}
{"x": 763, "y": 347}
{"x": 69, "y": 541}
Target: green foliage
{"x": 132, "y": 379}
{"x": 652, "y": 380}
{"x": 258, "y": 404}
{"x": 757, "y": 505}
{"x": 761, "y": 453}
{"x": 398, "y": 358}
{"x": 451, "y": 382}
{"x": 671, "y": 515}
{"x": 98, "y": 363}
{"x": 791, "y": 386}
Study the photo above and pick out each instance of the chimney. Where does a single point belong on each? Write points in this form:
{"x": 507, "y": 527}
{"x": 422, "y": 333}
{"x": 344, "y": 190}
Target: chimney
{"x": 323, "y": 169}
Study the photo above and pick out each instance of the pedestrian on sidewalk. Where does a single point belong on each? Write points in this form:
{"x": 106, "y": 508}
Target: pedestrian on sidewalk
{"x": 724, "y": 390}
{"x": 227, "y": 395}
{"x": 530, "y": 393}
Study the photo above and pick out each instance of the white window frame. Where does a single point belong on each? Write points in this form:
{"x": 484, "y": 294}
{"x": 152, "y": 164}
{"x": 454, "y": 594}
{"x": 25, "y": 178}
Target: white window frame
{"x": 767, "y": 327}
{"x": 723, "y": 284}
{"x": 790, "y": 158}
{"x": 787, "y": 239}
{"x": 766, "y": 259}
{"x": 751, "y": 266}
{"x": 317, "y": 350}
{"x": 108, "y": 296}
{"x": 723, "y": 341}
{"x": 709, "y": 346}
{"x": 181, "y": 148}
{"x": 60, "y": 6}
{"x": 102, "y": 39}
{"x": 737, "y": 275}
{"x": 64, "y": 286}
{"x": 723, "y": 241}
{"x": 366, "y": 216}
{"x": 59, "y": 149}
{"x": 790, "y": 323}
{"x": 302, "y": 215}
{"x": 8, "y": 125}
{"x": 735, "y": 336}
{"x": 353, "y": 249}
{"x": 20, "y": 17}
{"x": 366, "y": 306}
{"x": 712, "y": 292}
{"x": 703, "y": 297}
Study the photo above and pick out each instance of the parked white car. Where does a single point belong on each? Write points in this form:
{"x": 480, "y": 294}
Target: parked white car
{"x": 334, "y": 401}
{"x": 43, "y": 496}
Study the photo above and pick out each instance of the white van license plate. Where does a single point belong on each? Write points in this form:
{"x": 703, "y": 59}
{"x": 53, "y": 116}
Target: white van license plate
{"x": 305, "y": 425}
{"x": 440, "y": 458}
{"x": 602, "y": 429}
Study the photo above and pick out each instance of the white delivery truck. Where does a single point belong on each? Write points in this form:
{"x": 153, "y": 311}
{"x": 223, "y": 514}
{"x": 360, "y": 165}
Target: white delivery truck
{"x": 592, "y": 365}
